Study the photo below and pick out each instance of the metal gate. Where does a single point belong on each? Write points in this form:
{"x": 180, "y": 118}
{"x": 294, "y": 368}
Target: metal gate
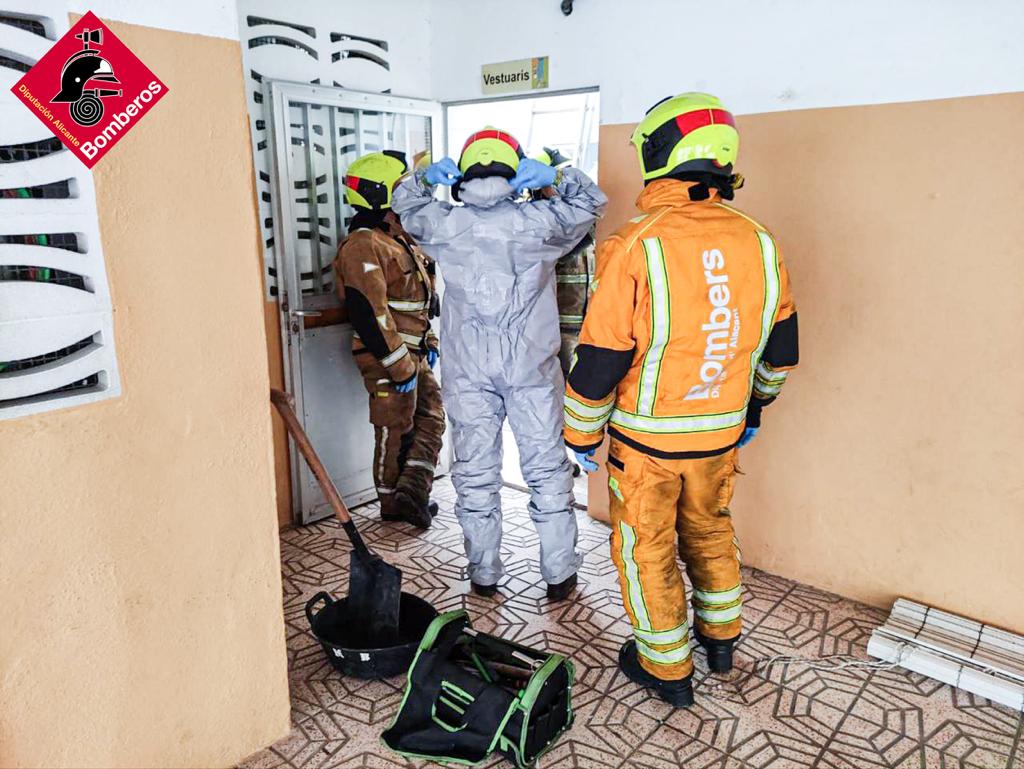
{"x": 317, "y": 133}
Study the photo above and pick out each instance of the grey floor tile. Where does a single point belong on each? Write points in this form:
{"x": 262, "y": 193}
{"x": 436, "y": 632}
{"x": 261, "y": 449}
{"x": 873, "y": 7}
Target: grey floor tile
{"x": 790, "y": 703}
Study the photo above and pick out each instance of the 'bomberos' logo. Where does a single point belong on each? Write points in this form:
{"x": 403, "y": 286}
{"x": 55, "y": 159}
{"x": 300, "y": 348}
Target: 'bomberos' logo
{"x": 89, "y": 89}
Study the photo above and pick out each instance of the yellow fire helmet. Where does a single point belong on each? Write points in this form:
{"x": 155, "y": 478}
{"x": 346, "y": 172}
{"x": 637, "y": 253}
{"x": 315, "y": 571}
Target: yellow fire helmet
{"x": 421, "y": 160}
{"x": 490, "y": 152}
{"x": 552, "y": 157}
{"x": 691, "y": 132}
{"x": 369, "y": 180}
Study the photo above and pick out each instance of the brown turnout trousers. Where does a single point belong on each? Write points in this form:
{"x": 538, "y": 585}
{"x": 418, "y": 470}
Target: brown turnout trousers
{"x": 407, "y": 431}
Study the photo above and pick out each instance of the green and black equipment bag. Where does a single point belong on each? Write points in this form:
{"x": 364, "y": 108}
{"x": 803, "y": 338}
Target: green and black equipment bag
{"x": 469, "y": 694}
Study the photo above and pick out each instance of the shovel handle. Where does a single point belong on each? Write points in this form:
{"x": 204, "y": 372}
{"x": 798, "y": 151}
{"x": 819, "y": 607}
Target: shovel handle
{"x": 284, "y": 404}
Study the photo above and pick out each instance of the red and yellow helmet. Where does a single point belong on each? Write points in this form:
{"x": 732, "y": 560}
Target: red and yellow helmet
{"x": 490, "y": 152}
{"x": 692, "y": 132}
{"x": 370, "y": 180}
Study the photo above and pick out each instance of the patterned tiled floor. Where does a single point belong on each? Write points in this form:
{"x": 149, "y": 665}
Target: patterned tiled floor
{"x": 767, "y": 714}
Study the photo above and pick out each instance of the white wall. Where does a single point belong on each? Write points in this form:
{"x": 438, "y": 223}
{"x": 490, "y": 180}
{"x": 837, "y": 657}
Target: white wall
{"x": 758, "y": 56}
{"x": 215, "y": 18}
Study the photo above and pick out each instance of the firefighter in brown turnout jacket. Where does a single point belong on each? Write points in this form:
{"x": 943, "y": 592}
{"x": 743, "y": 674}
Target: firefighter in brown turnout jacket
{"x": 387, "y": 285}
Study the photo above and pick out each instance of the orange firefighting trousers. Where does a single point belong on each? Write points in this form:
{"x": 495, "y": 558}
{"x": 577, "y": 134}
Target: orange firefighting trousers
{"x": 660, "y": 507}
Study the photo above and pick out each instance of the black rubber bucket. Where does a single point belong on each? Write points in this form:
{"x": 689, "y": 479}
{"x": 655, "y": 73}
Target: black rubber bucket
{"x": 333, "y": 629}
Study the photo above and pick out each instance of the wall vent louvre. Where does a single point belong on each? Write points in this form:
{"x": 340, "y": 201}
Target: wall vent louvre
{"x": 56, "y": 320}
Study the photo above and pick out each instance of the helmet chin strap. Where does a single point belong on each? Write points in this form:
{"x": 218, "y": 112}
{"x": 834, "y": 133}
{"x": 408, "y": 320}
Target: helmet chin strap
{"x": 705, "y": 182}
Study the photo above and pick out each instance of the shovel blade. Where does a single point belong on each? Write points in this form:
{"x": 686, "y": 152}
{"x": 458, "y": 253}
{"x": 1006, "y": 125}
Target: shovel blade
{"x": 374, "y": 597}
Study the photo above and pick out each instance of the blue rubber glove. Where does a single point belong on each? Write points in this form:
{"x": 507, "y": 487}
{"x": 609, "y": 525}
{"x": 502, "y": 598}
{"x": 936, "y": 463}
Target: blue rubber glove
{"x": 432, "y": 356}
{"x": 584, "y": 459}
{"x": 444, "y": 172}
{"x": 533, "y": 175}
{"x": 748, "y": 436}
{"x": 406, "y": 387}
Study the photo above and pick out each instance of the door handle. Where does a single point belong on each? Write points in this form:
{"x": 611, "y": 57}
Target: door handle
{"x": 305, "y": 313}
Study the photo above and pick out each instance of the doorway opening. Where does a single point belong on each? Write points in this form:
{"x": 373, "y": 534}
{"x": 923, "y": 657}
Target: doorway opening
{"x": 565, "y": 121}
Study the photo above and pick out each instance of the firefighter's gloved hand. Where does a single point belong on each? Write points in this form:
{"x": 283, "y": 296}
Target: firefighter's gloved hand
{"x": 533, "y": 175}
{"x": 584, "y": 459}
{"x": 444, "y": 171}
{"x": 407, "y": 386}
{"x": 432, "y": 356}
{"x": 748, "y": 436}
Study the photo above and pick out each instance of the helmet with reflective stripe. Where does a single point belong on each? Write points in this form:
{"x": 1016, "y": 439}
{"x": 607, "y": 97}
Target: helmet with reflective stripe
{"x": 552, "y": 157}
{"x": 369, "y": 180}
{"x": 490, "y": 152}
{"x": 691, "y": 132}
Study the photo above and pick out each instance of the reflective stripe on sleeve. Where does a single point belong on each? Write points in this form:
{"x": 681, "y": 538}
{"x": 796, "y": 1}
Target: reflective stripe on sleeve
{"x": 768, "y": 374}
{"x": 394, "y": 357}
{"x": 632, "y": 572}
{"x": 401, "y": 306}
{"x": 661, "y": 322}
{"x": 586, "y": 411}
{"x": 671, "y": 657}
{"x": 584, "y": 425}
{"x": 718, "y": 598}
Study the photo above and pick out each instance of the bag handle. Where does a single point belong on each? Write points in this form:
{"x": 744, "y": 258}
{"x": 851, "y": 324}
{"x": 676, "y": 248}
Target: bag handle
{"x": 321, "y": 596}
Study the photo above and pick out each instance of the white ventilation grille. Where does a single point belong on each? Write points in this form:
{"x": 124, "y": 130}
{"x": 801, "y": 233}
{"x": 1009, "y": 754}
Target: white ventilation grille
{"x": 961, "y": 652}
{"x": 56, "y": 326}
{"x": 300, "y": 44}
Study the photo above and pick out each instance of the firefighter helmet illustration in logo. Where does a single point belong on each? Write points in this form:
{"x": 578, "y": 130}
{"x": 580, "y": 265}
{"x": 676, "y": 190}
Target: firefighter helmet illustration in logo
{"x": 81, "y": 78}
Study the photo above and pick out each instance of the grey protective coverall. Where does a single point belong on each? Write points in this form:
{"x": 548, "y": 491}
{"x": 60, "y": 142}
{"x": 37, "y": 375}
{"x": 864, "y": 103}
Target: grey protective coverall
{"x": 499, "y": 351}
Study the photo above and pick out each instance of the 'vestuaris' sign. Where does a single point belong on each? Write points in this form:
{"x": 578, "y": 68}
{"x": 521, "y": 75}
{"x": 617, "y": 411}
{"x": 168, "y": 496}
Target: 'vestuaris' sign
{"x": 519, "y": 75}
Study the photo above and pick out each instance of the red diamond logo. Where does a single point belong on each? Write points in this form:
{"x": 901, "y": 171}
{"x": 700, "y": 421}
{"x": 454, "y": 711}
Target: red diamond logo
{"x": 89, "y": 89}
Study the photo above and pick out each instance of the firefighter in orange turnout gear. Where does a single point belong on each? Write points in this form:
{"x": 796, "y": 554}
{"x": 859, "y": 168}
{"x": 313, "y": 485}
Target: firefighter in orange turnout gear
{"x": 690, "y": 333}
{"x": 387, "y": 285}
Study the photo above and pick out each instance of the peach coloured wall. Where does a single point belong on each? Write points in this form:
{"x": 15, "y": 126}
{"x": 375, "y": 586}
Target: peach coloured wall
{"x": 891, "y": 465}
{"x": 141, "y": 618}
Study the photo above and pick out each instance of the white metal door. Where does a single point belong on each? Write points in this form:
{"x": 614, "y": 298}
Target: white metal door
{"x": 317, "y": 133}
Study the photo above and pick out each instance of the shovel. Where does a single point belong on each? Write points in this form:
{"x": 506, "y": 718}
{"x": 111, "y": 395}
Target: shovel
{"x": 374, "y": 587}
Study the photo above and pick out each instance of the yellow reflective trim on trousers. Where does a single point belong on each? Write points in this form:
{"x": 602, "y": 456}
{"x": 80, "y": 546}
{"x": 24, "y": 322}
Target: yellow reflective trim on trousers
{"x": 586, "y": 411}
{"x": 584, "y": 425}
{"x": 720, "y": 597}
{"x": 662, "y": 637}
{"x": 632, "y": 573}
{"x": 671, "y": 657}
{"x": 772, "y": 288}
{"x": 682, "y": 424}
{"x": 661, "y": 325}
{"x": 719, "y": 616}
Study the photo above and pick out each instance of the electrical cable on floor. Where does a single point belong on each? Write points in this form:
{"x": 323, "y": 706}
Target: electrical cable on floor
{"x": 712, "y": 688}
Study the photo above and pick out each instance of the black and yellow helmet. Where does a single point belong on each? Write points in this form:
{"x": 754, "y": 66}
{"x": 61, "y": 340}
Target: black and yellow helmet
{"x": 370, "y": 180}
{"x": 689, "y": 133}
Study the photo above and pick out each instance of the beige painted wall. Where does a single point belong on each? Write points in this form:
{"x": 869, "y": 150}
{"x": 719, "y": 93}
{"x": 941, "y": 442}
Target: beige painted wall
{"x": 141, "y": 612}
{"x": 891, "y": 465}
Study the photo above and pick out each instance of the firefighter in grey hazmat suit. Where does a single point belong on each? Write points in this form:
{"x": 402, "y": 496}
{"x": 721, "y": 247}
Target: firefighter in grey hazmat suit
{"x": 500, "y": 337}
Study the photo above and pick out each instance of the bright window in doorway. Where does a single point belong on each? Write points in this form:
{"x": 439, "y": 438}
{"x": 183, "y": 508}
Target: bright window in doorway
{"x": 566, "y": 122}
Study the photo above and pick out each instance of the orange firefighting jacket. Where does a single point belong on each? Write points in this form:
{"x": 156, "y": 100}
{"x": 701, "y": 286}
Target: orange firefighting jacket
{"x": 690, "y": 332}
{"x": 387, "y": 285}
